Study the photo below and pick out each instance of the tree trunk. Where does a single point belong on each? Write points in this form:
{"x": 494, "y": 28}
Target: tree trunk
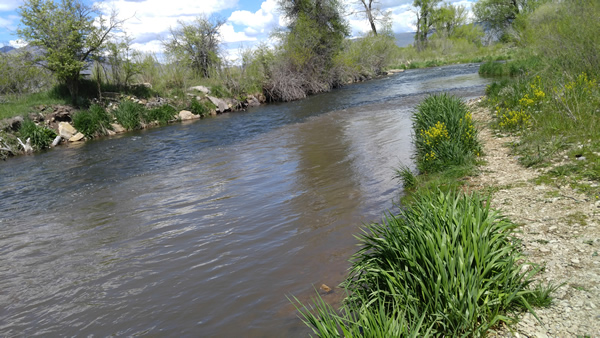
{"x": 73, "y": 86}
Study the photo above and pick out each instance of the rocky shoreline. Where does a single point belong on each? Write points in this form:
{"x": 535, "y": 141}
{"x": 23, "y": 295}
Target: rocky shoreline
{"x": 59, "y": 117}
{"x": 559, "y": 230}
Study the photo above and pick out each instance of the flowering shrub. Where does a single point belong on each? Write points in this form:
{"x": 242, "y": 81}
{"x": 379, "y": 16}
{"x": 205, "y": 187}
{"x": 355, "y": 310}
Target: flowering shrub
{"x": 445, "y": 134}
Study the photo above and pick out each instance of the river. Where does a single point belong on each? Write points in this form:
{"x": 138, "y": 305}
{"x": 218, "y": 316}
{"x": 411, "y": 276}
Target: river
{"x": 205, "y": 228}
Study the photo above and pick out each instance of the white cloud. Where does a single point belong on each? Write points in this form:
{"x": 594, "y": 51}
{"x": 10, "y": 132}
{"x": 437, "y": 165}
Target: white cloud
{"x": 266, "y": 17}
{"x": 157, "y": 16}
{"x": 228, "y": 34}
{"x": 9, "y": 5}
{"x": 17, "y": 43}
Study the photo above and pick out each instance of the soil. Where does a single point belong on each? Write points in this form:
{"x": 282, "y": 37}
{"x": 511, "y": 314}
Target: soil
{"x": 560, "y": 230}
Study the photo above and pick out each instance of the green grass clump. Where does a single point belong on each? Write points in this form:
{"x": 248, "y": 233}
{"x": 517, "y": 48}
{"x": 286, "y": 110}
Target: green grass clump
{"x": 447, "y": 257}
{"x": 41, "y": 137}
{"x": 199, "y": 108}
{"x": 162, "y": 114}
{"x": 379, "y": 319}
{"x": 129, "y": 114}
{"x": 445, "y": 134}
{"x": 447, "y": 265}
{"x": 491, "y": 68}
{"x": 92, "y": 122}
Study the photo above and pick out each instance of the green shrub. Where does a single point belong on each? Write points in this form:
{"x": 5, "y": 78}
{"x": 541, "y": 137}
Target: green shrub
{"x": 492, "y": 68}
{"x": 219, "y": 91}
{"x": 199, "y": 108}
{"x": 129, "y": 114}
{"x": 447, "y": 258}
{"x": 92, "y": 122}
{"x": 444, "y": 134}
{"x": 162, "y": 114}
{"x": 41, "y": 137}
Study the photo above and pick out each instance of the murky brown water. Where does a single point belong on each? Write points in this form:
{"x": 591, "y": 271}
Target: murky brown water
{"x": 205, "y": 229}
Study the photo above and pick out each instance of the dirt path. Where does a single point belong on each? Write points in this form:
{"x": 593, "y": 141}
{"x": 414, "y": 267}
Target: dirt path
{"x": 560, "y": 229}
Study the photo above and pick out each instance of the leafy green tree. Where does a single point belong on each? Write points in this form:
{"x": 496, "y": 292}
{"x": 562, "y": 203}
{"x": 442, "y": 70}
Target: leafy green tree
{"x": 68, "y": 32}
{"x": 196, "y": 44}
{"x": 500, "y": 14}
{"x": 316, "y": 32}
{"x": 122, "y": 59}
{"x": 426, "y": 18}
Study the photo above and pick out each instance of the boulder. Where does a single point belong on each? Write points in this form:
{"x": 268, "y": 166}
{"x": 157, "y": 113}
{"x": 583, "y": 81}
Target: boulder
{"x": 252, "y": 101}
{"x": 117, "y": 128}
{"x": 66, "y": 130}
{"x": 221, "y": 105}
{"x": 201, "y": 89}
{"x": 395, "y": 71}
{"x": 77, "y": 137}
{"x": 13, "y": 123}
{"x": 61, "y": 114}
{"x": 186, "y": 115}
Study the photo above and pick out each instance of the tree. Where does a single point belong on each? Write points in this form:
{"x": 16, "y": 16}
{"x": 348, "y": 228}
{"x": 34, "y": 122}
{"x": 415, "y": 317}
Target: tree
{"x": 371, "y": 9}
{"x": 122, "y": 60}
{"x": 500, "y": 14}
{"x": 448, "y": 18}
{"x": 309, "y": 46}
{"x": 196, "y": 44}
{"x": 69, "y": 32}
{"x": 425, "y": 21}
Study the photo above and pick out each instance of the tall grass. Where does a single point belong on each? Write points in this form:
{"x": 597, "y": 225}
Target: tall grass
{"x": 445, "y": 134}
{"x": 129, "y": 114}
{"x": 92, "y": 122}
{"x": 557, "y": 104}
{"x": 40, "y": 136}
{"x": 447, "y": 265}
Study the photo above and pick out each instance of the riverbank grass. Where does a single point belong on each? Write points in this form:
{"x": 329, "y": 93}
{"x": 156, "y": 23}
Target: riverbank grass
{"x": 445, "y": 264}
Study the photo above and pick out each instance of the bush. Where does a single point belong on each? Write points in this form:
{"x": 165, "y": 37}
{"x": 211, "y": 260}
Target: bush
{"x": 492, "y": 68}
{"x": 199, "y": 108}
{"x": 129, "y": 114}
{"x": 162, "y": 114}
{"x": 445, "y": 134}
{"x": 92, "y": 122}
{"x": 449, "y": 259}
{"x": 41, "y": 137}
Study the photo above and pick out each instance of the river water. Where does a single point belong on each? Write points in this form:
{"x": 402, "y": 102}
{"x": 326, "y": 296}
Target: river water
{"x": 205, "y": 228}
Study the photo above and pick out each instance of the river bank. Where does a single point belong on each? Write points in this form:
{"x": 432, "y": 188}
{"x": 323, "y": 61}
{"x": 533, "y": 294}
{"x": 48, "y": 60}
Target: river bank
{"x": 559, "y": 229}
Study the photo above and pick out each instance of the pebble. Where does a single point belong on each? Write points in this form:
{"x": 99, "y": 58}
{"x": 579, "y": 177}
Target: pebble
{"x": 575, "y": 261}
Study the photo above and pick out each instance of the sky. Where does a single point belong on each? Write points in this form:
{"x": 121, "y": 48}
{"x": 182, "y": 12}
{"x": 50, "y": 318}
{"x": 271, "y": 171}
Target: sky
{"x": 249, "y": 22}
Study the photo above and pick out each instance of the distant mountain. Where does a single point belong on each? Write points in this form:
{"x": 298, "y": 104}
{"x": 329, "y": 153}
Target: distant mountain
{"x": 404, "y": 39}
{"x": 6, "y": 49}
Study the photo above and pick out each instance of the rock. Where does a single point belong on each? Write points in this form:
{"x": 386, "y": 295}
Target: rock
{"x": 325, "y": 288}
{"x": 395, "y": 71}
{"x": 575, "y": 261}
{"x": 581, "y": 158}
{"x": 13, "y": 123}
{"x": 185, "y": 115}
{"x": 201, "y": 89}
{"x": 117, "y": 128}
{"x": 61, "y": 114}
{"x": 252, "y": 101}
{"x": 221, "y": 105}
{"x": 66, "y": 130}
{"x": 77, "y": 137}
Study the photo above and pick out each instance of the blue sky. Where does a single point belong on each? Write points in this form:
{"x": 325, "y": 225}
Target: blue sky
{"x": 248, "y": 21}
